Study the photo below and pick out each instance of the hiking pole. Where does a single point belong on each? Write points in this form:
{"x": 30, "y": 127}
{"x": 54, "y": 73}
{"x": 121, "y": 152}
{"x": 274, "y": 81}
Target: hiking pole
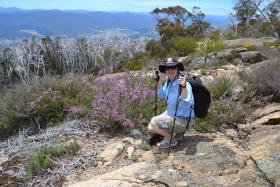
{"x": 157, "y": 79}
{"x": 177, "y": 103}
{"x": 155, "y": 137}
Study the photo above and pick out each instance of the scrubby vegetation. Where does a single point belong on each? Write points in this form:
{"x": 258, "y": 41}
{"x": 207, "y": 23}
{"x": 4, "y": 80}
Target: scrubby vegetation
{"x": 262, "y": 80}
{"x": 272, "y": 44}
{"x": 185, "y": 46}
{"x": 222, "y": 112}
{"x": 43, "y": 103}
{"x": 222, "y": 109}
{"x": 220, "y": 87}
{"x": 44, "y": 157}
{"x": 118, "y": 101}
{"x": 213, "y": 44}
{"x": 250, "y": 47}
{"x": 32, "y": 99}
{"x": 47, "y": 81}
{"x": 266, "y": 78}
{"x": 123, "y": 100}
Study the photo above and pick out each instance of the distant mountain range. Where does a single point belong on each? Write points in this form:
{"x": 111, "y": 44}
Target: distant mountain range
{"x": 18, "y": 23}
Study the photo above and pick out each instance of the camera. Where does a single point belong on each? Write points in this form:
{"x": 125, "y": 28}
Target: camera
{"x": 181, "y": 74}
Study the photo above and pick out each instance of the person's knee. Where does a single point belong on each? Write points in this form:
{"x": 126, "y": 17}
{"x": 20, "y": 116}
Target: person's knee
{"x": 151, "y": 127}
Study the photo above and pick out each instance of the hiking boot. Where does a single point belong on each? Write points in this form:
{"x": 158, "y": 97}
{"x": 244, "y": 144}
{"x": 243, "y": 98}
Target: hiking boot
{"x": 164, "y": 144}
{"x": 179, "y": 136}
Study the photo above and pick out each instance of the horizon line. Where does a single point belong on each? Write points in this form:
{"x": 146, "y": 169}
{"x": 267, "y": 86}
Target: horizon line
{"x": 93, "y": 10}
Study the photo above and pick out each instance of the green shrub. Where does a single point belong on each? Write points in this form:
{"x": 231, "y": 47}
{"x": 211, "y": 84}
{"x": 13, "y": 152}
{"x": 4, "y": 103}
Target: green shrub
{"x": 234, "y": 54}
{"x": 220, "y": 87}
{"x": 221, "y": 112}
{"x": 246, "y": 77}
{"x": 135, "y": 157}
{"x": 145, "y": 146}
{"x": 249, "y": 86}
{"x": 155, "y": 49}
{"x": 210, "y": 45}
{"x": 46, "y": 102}
{"x": 43, "y": 157}
{"x": 76, "y": 93}
{"x": 220, "y": 63}
{"x": 250, "y": 47}
{"x": 138, "y": 62}
{"x": 231, "y": 35}
{"x": 185, "y": 46}
{"x": 271, "y": 44}
{"x": 13, "y": 109}
{"x": 49, "y": 110}
{"x": 160, "y": 157}
{"x": 203, "y": 72}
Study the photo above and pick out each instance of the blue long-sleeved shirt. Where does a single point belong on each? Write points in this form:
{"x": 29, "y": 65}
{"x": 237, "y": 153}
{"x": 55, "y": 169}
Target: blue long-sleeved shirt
{"x": 170, "y": 93}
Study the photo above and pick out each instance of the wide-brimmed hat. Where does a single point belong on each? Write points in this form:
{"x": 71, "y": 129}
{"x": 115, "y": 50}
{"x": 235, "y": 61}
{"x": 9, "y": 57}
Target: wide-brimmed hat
{"x": 171, "y": 62}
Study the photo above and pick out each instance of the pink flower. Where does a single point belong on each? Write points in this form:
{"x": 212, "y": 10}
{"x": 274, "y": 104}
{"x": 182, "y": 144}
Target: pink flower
{"x": 120, "y": 99}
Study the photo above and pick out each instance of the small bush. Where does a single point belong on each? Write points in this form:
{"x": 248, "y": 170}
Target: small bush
{"x": 155, "y": 49}
{"x": 248, "y": 85}
{"x": 266, "y": 78}
{"x": 135, "y": 157}
{"x": 221, "y": 112}
{"x": 203, "y": 72}
{"x": 271, "y": 44}
{"x": 122, "y": 101}
{"x": 220, "y": 87}
{"x": 160, "y": 157}
{"x": 185, "y": 46}
{"x": 49, "y": 110}
{"x": 145, "y": 146}
{"x": 13, "y": 109}
{"x": 250, "y": 47}
{"x": 43, "y": 157}
{"x": 231, "y": 35}
{"x": 220, "y": 63}
{"x": 138, "y": 62}
{"x": 46, "y": 102}
{"x": 210, "y": 45}
{"x": 246, "y": 76}
{"x": 232, "y": 55}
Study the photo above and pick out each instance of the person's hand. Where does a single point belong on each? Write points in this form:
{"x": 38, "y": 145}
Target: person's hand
{"x": 157, "y": 75}
{"x": 182, "y": 81}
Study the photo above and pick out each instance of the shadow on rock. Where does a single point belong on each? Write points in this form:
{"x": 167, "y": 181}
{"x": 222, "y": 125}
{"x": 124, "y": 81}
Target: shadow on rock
{"x": 190, "y": 142}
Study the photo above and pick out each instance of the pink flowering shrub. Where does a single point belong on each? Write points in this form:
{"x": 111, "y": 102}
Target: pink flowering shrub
{"x": 122, "y": 100}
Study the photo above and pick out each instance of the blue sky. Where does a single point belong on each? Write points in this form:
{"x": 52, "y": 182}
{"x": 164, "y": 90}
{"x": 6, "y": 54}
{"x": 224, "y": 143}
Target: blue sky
{"x": 216, "y": 7}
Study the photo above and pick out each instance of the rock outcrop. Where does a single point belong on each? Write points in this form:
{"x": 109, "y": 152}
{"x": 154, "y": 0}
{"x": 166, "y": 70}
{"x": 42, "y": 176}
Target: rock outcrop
{"x": 252, "y": 57}
{"x": 269, "y": 115}
{"x": 210, "y": 159}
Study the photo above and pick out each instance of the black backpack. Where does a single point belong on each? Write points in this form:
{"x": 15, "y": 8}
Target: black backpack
{"x": 202, "y": 97}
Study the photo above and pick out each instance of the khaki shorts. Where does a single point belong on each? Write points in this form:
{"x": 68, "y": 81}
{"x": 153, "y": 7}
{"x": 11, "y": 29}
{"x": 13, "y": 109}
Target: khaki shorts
{"x": 165, "y": 122}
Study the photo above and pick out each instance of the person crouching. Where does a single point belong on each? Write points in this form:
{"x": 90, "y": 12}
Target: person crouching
{"x": 162, "y": 124}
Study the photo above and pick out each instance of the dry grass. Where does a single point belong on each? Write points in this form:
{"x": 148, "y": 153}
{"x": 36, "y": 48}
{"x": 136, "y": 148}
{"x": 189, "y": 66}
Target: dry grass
{"x": 266, "y": 78}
